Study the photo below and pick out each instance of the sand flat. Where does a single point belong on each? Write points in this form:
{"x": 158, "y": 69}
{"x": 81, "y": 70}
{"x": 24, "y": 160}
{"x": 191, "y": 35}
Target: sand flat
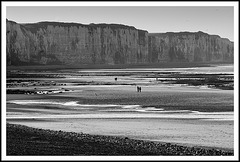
{"x": 190, "y": 115}
{"x": 137, "y": 125}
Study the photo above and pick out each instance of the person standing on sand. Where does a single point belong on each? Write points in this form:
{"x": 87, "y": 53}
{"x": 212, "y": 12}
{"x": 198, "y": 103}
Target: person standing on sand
{"x": 139, "y": 89}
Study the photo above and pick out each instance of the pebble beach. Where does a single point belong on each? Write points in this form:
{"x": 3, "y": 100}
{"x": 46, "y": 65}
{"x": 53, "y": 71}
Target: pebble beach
{"x": 23, "y": 140}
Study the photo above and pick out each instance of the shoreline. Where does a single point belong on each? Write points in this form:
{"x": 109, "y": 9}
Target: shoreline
{"x": 118, "y": 66}
{"x": 24, "y": 140}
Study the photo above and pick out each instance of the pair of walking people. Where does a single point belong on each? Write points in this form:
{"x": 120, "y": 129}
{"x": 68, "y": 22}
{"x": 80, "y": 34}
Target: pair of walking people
{"x": 139, "y": 89}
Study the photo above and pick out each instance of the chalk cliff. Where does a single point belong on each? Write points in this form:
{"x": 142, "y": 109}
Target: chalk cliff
{"x": 189, "y": 47}
{"x": 72, "y": 43}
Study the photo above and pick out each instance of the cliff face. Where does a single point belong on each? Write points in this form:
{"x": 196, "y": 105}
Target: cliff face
{"x": 189, "y": 47}
{"x": 71, "y": 43}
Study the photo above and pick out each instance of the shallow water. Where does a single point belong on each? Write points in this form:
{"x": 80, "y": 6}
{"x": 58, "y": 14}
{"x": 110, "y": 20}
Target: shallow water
{"x": 105, "y": 111}
{"x": 226, "y": 69}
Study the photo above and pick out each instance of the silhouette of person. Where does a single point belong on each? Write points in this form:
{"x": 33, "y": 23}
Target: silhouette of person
{"x": 140, "y": 89}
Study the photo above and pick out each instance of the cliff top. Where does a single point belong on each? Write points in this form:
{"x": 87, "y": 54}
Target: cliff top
{"x": 185, "y": 33}
{"x": 179, "y": 33}
{"x": 34, "y": 26}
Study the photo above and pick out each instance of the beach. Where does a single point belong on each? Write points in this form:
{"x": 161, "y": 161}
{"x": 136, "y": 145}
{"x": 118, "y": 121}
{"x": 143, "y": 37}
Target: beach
{"x": 188, "y": 116}
{"x": 22, "y": 140}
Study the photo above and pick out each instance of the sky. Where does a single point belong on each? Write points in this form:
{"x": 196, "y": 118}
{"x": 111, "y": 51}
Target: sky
{"x": 214, "y": 20}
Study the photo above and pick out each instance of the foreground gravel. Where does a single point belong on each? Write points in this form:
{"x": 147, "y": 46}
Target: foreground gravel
{"x": 23, "y": 140}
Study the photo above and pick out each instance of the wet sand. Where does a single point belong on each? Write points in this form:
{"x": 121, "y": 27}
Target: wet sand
{"x": 191, "y": 132}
